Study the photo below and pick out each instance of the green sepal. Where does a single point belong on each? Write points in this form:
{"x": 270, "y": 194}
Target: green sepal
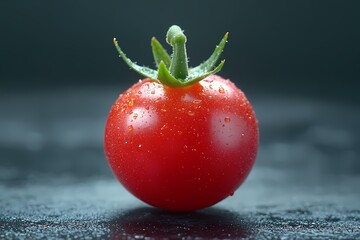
{"x": 210, "y": 63}
{"x": 142, "y": 70}
{"x": 166, "y": 78}
{"x": 196, "y": 78}
{"x": 160, "y": 53}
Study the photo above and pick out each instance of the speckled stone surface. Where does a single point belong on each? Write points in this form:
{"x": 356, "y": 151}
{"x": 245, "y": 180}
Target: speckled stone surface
{"x": 55, "y": 182}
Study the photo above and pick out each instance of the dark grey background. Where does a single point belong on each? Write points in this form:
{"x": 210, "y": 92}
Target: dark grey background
{"x": 308, "y": 48}
{"x": 297, "y": 61}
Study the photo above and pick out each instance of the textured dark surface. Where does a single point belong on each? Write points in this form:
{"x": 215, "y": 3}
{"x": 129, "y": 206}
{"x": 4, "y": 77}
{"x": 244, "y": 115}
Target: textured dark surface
{"x": 55, "y": 182}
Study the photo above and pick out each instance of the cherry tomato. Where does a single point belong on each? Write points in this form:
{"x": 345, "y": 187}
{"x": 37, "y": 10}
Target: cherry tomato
{"x": 181, "y": 148}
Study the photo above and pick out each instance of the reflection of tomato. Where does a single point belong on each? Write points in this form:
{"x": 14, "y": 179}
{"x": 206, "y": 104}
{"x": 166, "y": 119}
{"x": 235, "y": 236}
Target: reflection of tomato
{"x": 181, "y": 143}
{"x": 182, "y": 148}
{"x": 152, "y": 223}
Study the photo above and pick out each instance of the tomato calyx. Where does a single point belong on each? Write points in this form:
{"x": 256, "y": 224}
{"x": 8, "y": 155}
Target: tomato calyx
{"x": 173, "y": 71}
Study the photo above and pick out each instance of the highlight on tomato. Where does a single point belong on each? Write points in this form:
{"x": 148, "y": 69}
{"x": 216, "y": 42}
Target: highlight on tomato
{"x": 182, "y": 138}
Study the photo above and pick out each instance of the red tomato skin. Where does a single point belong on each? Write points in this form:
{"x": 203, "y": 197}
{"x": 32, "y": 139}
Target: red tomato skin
{"x": 182, "y": 149}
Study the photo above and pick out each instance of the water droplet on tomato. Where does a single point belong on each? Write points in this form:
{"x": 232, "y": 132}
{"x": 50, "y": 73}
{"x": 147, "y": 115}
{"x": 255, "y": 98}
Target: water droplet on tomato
{"x": 147, "y": 107}
{"x": 139, "y": 92}
{"x": 135, "y": 115}
{"x": 130, "y": 128}
{"x": 139, "y": 145}
{"x": 227, "y": 119}
{"x": 163, "y": 110}
{"x": 221, "y": 89}
{"x": 131, "y": 103}
{"x": 191, "y": 113}
{"x": 179, "y": 132}
{"x": 197, "y": 101}
{"x": 116, "y": 106}
{"x": 231, "y": 194}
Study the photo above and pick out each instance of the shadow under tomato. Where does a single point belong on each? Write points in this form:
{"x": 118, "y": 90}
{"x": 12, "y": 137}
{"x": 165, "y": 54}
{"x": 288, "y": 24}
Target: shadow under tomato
{"x": 147, "y": 222}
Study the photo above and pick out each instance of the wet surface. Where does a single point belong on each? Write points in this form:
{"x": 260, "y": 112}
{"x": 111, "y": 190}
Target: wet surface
{"x": 55, "y": 182}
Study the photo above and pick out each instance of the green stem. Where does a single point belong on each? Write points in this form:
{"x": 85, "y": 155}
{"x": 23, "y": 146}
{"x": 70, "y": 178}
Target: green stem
{"x": 179, "y": 62}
